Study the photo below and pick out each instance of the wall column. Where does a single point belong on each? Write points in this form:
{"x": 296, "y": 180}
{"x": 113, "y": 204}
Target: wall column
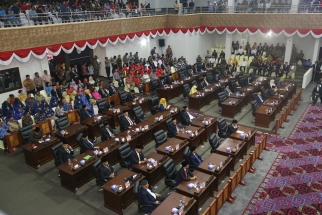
{"x": 316, "y": 50}
{"x": 231, "y": 4}
{"x": 294, "y": 6}
{"x": 228, "y": 45}
{"x": 288, "y": 50}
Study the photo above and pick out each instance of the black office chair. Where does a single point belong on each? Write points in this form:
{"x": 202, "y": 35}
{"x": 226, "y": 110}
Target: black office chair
{"x": 155, "y": 105}
{"x": 123, "y": 96}
{"x": 159, "y": 138}
{"x": 125, "y": 154}
{"x": 181, "y": 75}
{"x": 99, "y": 181}
{"x": 210, "y": 78}
{"x": 186, "y": 154}
{"x": 54, "y": 150}
{"x": 170, "y": 173}
{"x": 155, "y": 85}
{"x": 222, "y": 127}
{"x": 254, "y": 96}
{"x": 186, "y": 91}
{"x": 214, "y": 143}
{"x": 182, "y": 120}
{"x": 101, "y": 104}
{"x": 122, "y": 127}
{"x": 233, "y": 84}
{"x": 79, "y": 143}
{"x": 221, "y": 98}
{"x": 139, "y": 114}
{"x": 242, "y": 81}
{"x": 194, "y": 82}
{"x": 136, "y": 193}
{"x": 255, "y": 106}
{"x": 24, "y": 132}
{"x": 101, "y": 127}
{"x": 263, "y": 92}
{"x": 200, "y": 79}
{"x": 62, "y": 123}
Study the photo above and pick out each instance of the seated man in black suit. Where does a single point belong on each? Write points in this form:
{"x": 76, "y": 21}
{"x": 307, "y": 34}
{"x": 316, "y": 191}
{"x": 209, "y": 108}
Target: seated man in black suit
{"x": 259, "y": 98}
{"x": 107, "y": 132}
{"x": 103, "y": 92}
{"x": 87, "y": 143}
{"x": 131, "y": 96}
{"x": 149, "y": 198}
{"x": 216, "y": 78}
{"x": 137, "y": 157}
{"x": 316, "y": 93}
{"x": 205, "y": 80}
{"x": 249, "y": 80}
{"x": 194, "y": 158}
{"x": 202, "y": 85}
{"x": 173, "y": 128}
{"x": 227, "y": 91}
{"x": 126, "y": 121}
{"x": 111, "y": 89}
{"x": 184, "y": 174}
{"x": 186, "y": 116}
{"x": 35, "y": 135}
{"x": 105, "y": 171}
{"x": 84, "y": 113}
{"x": 56, "y": 93}
{"x": 271, "y": 92}
{"x": 64, "y": 153}
{"x": 236, "y": 86}
{"x": 232, "y": 127}
{"x": 161, "y": 83}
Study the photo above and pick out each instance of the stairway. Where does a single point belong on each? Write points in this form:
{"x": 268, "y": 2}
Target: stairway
{"x": 300, "y": 71}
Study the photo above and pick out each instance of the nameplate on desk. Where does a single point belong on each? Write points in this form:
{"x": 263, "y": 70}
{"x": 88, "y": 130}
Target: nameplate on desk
{"x": 127, "y": 184}
{"x": 105, "y": 150}
{"x": 177, "y": 146}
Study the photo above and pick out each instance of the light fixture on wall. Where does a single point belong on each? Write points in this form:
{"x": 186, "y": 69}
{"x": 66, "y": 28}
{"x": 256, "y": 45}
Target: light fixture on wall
{"x": 143, "y": 42}
{"x": 269, "y": 33}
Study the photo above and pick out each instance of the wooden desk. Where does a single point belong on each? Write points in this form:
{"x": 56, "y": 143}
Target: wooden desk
{"x": 35, "y": 157}
{"x": 228, "y": 110}
{"x": 170, "y": 93}
{"x": 93, "y": 126}
{"x": 250, "y": 141}
{"x": 209, "y": 129}
{"x": 204, "y": 194}
{"x": 248, "y": 93}
{"x": 114, "y": 122}
{"x": 72, "y": 116}
{"x": 176, "y": 156}
{"x": 73, "y": 131}
{"x": 72, "y": 180}
{"x": 262, "y": 118}
{"x": 196, "y": 140}
{"x": 242, "y": 98}
{"x": 166, "y": 206}
{"x": 113, "y": 154}
{"x": 155, "y": 175}
{"x": 278, "y": 107}
{"x": 215, "y": 159}
{"x": 197, "y": 102}
{"x": 236, "y": 156}
{"x": 115, "y": 98}
{"x": 117, "y": 202}
{"x": 146, "y": 105}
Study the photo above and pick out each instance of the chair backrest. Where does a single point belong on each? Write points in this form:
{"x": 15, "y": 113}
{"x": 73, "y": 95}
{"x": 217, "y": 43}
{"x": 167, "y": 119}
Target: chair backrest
{"x": 255, "y": 105}
{"x": 254, "y": 96}
{"x": 154, "y": 84}
{"x": 194, "y": 82}
{"x": 138, "y": 113}
{"x": 123, "y": 96}
{"x": 181, "y": 75}
{"x": 122, "y": 128}
{"x": 170, "y": 169}
{"x": 221, "y": 98}
{"x": 168, "y": 122}
{"x": 125, "y": 152}
{"x": 210, "y": 79}
{"x": 213, "y": 141}
{"x": 95, "y": 167}
{"x": 186, "y": 88}
{"x": 54, "y": 150}
{"x": 186, "y": 153}
{"x": 159, "y": 138}
{"x": 155, "y": 102}
{"x": 79, "y": 140}
{"x": 222, "y": 126}
{"x": 24, "y": 132}
{"x": 101, "y": 103}
{"x": 200, "y": 79}
{"x": 136, "y": 189}
{"x": 62, "y": 123}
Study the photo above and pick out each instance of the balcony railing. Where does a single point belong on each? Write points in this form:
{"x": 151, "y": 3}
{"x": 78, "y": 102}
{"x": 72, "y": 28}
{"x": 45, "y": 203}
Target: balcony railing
{"x": 28, "y": 19}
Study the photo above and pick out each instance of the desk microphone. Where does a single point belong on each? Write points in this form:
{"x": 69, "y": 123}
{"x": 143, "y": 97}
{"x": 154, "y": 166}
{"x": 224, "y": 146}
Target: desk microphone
{"x": 178, "y": 207}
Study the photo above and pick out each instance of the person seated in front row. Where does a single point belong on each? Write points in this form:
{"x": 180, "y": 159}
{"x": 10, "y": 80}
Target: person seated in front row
{"x": 233, "y": 127}
{"x": 194, "y": 158}
{"x": 184, "y": 174}
{"x": 106, "y": 171}
{"x": 35, "y": 135}
{"x": 108, "y": 132}
{"x": 227, "y": 91}
{"x": 272, "y": 91}
{"x": 162, "y": 82}
{"x": 173, "y": 128}
{"x": 187, "y": 118}
{"x": 87, "y": 143}
{"x": 131, "y": 96}
{"x": 13, "y": 124}
{"x": 137, "y": 157}
{"x": 259, "y": 98}
{"x": 149, "y": 198}
{"x": 126, "y": 121}
{"x": 85, "y": 113}
{"x": 64, "y": 153}
{"x": 162, "y": 104}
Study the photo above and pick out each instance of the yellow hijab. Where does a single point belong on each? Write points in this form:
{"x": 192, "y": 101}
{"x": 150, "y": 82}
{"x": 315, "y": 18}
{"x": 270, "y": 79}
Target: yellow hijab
{"x": 193, "y": 90}
{"x": 87, "y": 92}
{"x": 66, "y": 96}
{"x": 163, "y": 102}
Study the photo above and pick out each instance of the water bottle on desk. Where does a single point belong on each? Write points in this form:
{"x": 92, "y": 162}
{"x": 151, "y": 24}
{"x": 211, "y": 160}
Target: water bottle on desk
{"x": 180, "y": 203}
{"x": 68, "y": 161}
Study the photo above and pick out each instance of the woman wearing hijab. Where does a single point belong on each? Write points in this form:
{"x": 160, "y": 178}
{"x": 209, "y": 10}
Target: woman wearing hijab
{"x": 7, "y": 109}
{"x": 49, "y": 113}
{"x": 66, "y": 96}
{"x": 18, "y": 113}
{"x": 78, "y": 102}
{"x": 53, "y": 102}
{"x": 91, "y": 80}
{"x": 193, "y": 90}
{"x": 96, "y": 95}
{"x": 37, "y": 107}
{"x": 162, "y": 104}
{"x": 18, "y": 103}
{"x": 48, "y": 89}
{"x": 89, "y": 96}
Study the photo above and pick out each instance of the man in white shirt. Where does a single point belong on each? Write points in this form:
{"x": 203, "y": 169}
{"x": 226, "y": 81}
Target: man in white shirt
{"x": 240, "y": 51}
{"x": 243, "y": 65}
{"x": 47, "y": 78}
{"x": 212, "y": 61}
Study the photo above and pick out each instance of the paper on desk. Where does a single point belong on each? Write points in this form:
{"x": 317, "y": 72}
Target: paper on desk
{"x": 87, "y": 157}
{"x": 240, "y": 132}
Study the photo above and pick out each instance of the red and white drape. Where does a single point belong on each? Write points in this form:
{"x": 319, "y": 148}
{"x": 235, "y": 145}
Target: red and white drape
{"x": 23, "y": 55}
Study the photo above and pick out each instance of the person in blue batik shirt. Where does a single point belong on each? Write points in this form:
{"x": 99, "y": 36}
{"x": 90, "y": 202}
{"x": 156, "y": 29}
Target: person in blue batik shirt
{"x": 19, "y": 113}
{"x": 78, "y": 102}
{"x": 66, "y": 105}
{"x": 53, "y": 102}
{"x": 3, "y": 131}
{"x": 18, "y": 104}
{"x": 7, "y": 109}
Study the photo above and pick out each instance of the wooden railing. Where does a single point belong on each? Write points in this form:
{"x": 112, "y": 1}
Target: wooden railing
{"x": 287, "y": 112}
{"x": 226, "y": 193}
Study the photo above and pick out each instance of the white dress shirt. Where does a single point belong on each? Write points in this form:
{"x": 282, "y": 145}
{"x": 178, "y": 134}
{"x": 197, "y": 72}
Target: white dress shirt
{"x": 152, "y": 194}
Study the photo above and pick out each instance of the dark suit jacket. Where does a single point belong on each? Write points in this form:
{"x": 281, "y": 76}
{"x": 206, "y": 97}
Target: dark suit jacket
{"x": 270, "y": 93}
{"x": 193, "y": 160}
{"x": 103, "y": 93}
{"x": 185, "y": 118}
{"x": 86, "y": 144}
{"x": 286, "y": 68}
{"x": 134, "y": 157}
{"x": 236, "y": 87}
{"x": 84, "y": 114}
{"x": 313, "y": 93}
{"x": 161, "y": 84}
{"x": 125, "y": 122}
{"x": 106, "y": 135}
{"x": 172, "y": 132}
{"x": 105, "y": 172}
{"x": 110, "y": 90}
{"x": 226, "y": 91}
{"x": 130, "y": 97}
{"x": 216, "y": 78}
{"x": 35, "y": 138}
{"x": 57, "y": 93}
{"x": 258, "y": 100}
{"x": 230, "y": 129}
{"x": 147, "y": 199}
{"x": 201, "y": 86}
{"x": 63, "y": 156}
{"x": 182, "y": 177}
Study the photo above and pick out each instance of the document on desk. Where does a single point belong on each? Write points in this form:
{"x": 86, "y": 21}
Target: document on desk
{"x": 87, "y": 157}
{"x": 240, "y": 132}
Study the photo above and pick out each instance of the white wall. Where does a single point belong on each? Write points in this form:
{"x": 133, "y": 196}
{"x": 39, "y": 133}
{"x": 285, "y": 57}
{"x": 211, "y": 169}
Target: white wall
{"x": 306, "y": 44}
{"x": 29, "y": 68}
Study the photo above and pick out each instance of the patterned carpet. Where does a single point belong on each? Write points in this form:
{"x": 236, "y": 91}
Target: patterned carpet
{"x": 293, "y": 185}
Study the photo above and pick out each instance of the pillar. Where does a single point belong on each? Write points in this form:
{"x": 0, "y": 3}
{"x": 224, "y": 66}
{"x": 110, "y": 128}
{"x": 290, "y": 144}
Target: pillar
{"x": 231, "y": 6}
{"x": 294, "y": 6}
{"x": 288, "y": 50}
{"x": 228, "y": 45}
{"x": 316, "y": 50}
